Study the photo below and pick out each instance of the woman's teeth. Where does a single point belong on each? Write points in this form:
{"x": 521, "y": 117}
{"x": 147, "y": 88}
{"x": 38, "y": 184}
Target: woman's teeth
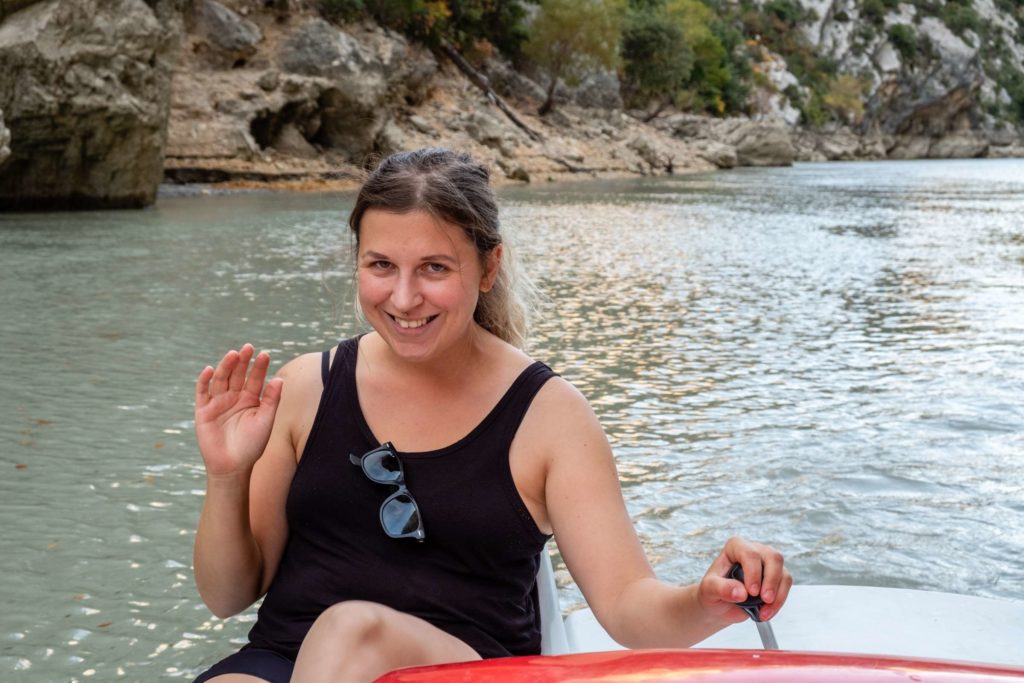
{"x": 411, "y": 324}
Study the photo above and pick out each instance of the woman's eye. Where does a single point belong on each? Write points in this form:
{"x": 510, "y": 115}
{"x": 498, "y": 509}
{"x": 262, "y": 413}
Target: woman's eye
{"x": 436, "y": 268}
{"x": 380, "y": 265}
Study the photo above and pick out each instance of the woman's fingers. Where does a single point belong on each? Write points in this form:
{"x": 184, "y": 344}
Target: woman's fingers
{"x": 773, "y": 575}
{"x": 237, "y": 378}
{"x": 222, "y": 374}
{"x": 272, "y": 395}
{"x": 258, "y": 374}
{"x": 770, "y": 610}
{"x": 764, "y": 575}
{"x": 203, "y": 387}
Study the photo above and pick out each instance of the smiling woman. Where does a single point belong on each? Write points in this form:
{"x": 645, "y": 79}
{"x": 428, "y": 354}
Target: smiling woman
{"x": 420, "y": 280}
{"x": 490, "y": 451}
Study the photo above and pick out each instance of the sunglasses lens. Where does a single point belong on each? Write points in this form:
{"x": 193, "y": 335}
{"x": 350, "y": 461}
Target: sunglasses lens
{"x": 383, "y": 467}
{"x": 399, "y": 515}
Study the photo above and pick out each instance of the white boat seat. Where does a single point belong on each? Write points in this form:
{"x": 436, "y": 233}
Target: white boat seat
{"x": 552, "y": 628}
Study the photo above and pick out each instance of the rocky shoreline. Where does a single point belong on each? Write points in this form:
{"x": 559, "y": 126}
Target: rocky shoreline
{"x": 102, "y": 101}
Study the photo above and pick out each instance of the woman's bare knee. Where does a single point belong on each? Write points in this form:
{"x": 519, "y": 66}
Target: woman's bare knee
{"x": 356, "y": 641}
{"x": 352, "y": 621}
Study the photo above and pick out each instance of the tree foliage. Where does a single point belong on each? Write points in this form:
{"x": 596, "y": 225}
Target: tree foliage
{"x": 571, "y": 38}
{"x": 845, "y": 98}
{"x": 657, "y": 60}
{"x": 720, "y": 79}
{"x": 463, "y": 23}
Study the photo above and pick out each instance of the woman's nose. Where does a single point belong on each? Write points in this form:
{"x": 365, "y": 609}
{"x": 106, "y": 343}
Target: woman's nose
{"x": 406, "y": 294}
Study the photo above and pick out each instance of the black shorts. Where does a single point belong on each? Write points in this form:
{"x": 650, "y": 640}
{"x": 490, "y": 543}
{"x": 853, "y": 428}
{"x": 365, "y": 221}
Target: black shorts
{"x": 265, "y": 664}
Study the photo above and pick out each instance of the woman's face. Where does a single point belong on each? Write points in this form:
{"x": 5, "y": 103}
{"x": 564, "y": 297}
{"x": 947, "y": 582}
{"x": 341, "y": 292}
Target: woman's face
{"x": 419, "y": 281}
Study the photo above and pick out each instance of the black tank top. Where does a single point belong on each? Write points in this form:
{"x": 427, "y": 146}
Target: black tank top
{"x": 473, "y": 576}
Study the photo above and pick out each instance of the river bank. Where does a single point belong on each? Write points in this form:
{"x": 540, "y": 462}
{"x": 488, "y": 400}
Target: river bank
{"x": 100, "y": 102}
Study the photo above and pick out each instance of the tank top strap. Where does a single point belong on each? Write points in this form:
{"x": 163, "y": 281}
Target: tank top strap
{"x": 520, "y": 396}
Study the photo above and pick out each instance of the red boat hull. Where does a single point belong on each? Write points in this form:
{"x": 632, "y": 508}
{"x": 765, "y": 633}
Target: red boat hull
{"x": 733, "y": 666}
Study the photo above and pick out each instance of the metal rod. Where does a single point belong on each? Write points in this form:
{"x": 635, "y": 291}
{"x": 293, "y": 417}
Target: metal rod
{"x": 764, "y": 629}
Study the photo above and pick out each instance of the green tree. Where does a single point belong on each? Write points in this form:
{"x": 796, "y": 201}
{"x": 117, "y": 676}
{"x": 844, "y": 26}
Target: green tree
{"x": 571, "y": 38}
{"x": 657, "y": 61}
{"x": 719, "y": 80}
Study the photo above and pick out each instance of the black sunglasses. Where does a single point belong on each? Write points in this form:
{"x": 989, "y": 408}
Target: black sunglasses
{"x": 399, "y": 514}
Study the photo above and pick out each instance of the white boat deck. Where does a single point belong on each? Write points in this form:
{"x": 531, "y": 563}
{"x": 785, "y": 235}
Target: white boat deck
{"x": 851, "y": 619}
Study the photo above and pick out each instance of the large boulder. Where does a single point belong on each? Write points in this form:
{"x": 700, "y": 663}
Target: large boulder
{"x": 353, "y": 111}
{"x": 84, "y": 87}
{"x": 763, "y": 144}
{"x": 511, "y": 84}
{"x": 754, "y": 143}
{"x": 224, "y": 37}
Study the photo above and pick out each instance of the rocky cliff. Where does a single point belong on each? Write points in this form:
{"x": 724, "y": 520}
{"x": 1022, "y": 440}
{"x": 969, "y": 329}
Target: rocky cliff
{"x": 292, "y": 98}
{"x": 84, "y": 91}
{"x": 101, "y": 99}
{"x": 930, "y": 77}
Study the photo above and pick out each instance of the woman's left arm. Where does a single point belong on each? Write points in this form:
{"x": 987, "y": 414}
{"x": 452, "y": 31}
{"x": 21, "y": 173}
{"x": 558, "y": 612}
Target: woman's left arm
{"x": 584, "y": 506}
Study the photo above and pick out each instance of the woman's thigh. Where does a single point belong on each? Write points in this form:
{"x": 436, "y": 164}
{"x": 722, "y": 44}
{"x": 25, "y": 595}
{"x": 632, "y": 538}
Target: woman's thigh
{"x": 363, "y": 640}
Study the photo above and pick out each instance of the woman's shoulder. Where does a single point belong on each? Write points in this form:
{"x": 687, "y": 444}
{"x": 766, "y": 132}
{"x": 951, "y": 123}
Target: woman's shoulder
{"x": 302, "y": 367}
{"x": 310, "y": 366}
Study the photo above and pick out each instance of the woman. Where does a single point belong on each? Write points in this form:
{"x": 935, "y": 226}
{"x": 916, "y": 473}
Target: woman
{"x": 391, "y": 498}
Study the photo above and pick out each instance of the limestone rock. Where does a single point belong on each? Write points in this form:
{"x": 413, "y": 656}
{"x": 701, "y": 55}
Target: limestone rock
{"x": 717, "y": 153}
{"x": 84, "y": 87}
{"x": 422, "y": 125}
{"x": 289, "y": 140}
{"x": 910, "y": 147}
{"x": 513, "y": 170}
{"x": 391, "y": 139}
{"x": 485, "y": 129}
{"x": 762, "y": 144}
{"x": 959, "y": 146}
{"x": 354, "y": 109}
{"x": 599, "y": 91}
{"x": 511, "y": 84}
{"x": 652, "y": 152}
{"x": 228, "y": 39}
{"x": 269, "y": 80}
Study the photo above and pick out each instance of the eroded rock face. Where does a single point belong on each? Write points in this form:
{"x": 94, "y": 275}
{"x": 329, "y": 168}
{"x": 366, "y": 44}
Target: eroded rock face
{"x": 311, "y": 92}
{"x": 84, "y": 87}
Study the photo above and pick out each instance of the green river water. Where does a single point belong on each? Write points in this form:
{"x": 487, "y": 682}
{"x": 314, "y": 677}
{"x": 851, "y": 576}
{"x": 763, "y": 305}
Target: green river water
{"x": 826, "y": 357}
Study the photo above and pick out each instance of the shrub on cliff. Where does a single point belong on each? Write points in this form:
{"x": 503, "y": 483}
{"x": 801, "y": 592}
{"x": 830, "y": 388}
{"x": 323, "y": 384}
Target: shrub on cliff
{"x": 904, "y": 39}
{"x": 571, "y": 38}
{"x": 845, "y": 98}
{"x": 657, "y": 60}
{"x": 463, "y": 23}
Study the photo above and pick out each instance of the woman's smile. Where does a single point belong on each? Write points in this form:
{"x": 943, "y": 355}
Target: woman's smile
{"x": 407, "y": 324}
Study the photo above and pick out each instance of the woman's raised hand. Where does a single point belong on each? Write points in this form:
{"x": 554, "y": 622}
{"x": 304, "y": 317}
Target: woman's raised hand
{"x": 233, "y": 420}
{"x": 763, "y": 575}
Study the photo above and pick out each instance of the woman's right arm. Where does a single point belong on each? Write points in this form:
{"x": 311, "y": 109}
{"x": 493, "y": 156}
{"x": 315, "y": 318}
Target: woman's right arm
{"x": 246, "y": 435}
